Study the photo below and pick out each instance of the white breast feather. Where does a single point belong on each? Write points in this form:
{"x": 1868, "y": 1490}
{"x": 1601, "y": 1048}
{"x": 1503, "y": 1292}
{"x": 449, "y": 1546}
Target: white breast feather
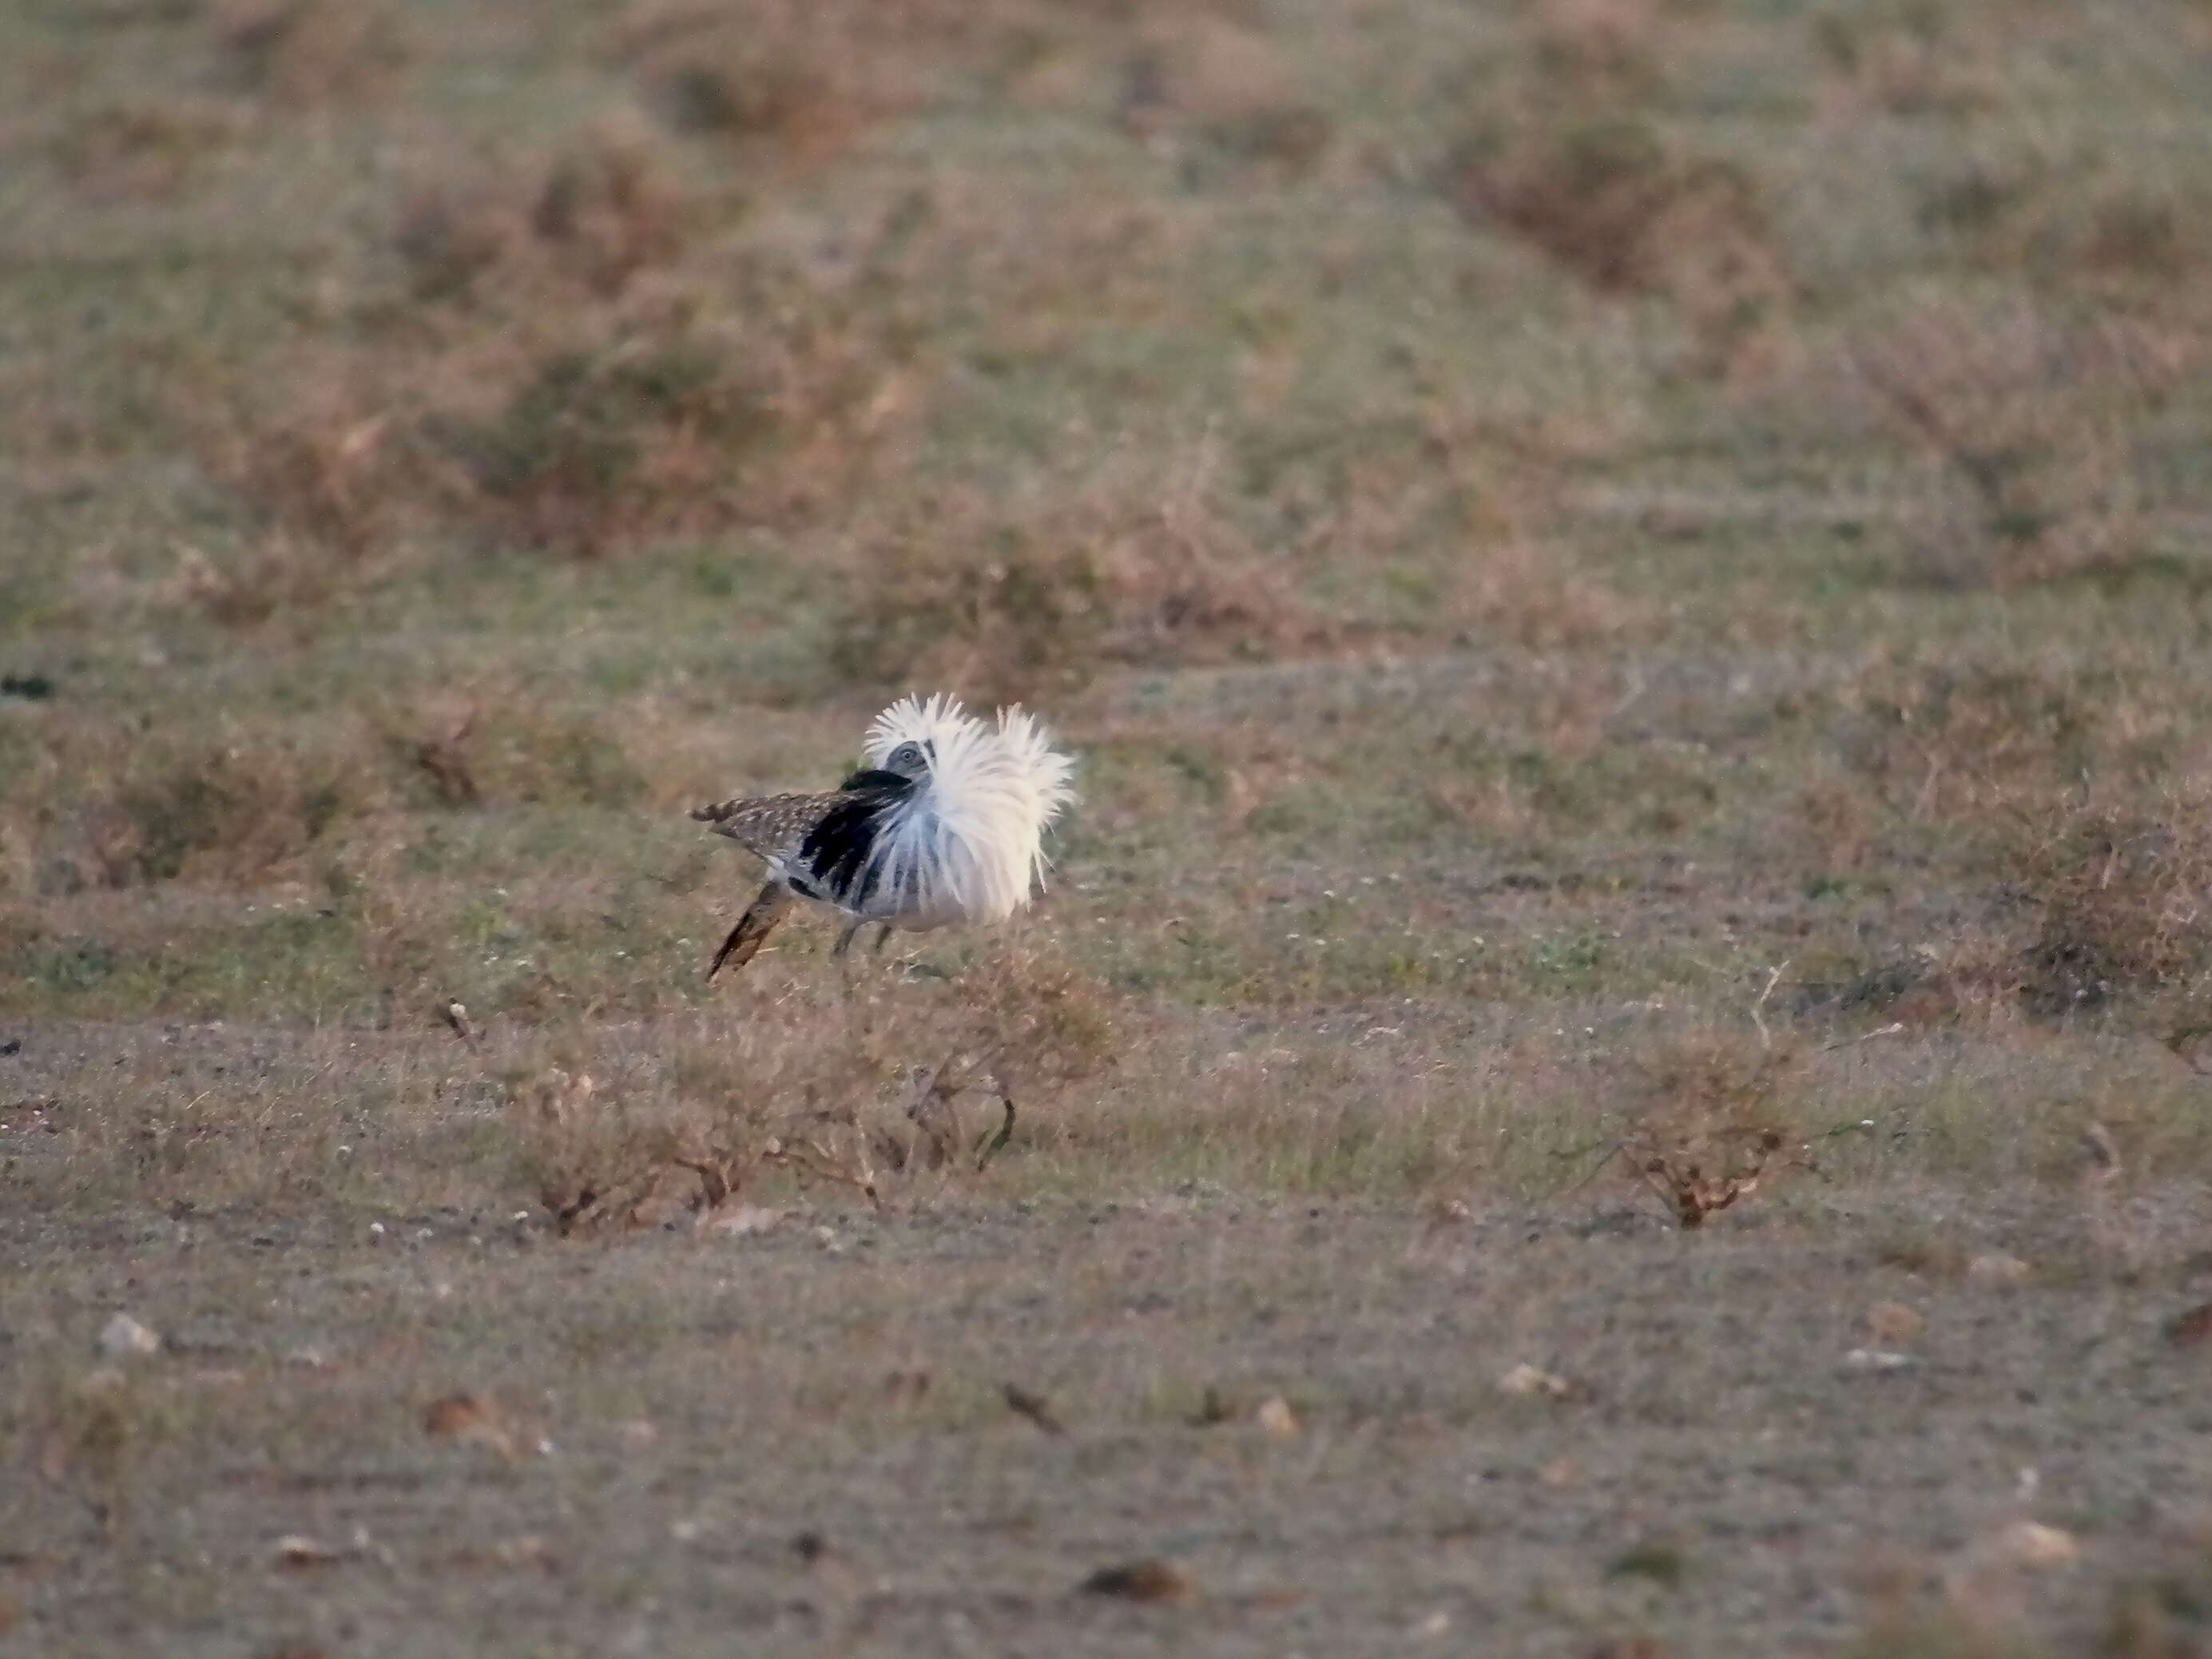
{"x": 969, "y": 843}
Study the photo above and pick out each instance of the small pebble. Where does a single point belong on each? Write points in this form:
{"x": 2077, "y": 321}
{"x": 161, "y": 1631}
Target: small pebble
{"x": 125, "y": 1338}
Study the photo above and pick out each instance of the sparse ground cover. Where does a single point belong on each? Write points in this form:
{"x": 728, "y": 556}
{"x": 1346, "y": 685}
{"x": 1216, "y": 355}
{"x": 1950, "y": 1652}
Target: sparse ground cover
{"x": 1630, "y": 580}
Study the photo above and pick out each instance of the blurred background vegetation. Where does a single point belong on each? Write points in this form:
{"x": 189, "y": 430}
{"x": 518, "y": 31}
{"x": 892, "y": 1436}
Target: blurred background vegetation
{"x": 1666, "y": 487}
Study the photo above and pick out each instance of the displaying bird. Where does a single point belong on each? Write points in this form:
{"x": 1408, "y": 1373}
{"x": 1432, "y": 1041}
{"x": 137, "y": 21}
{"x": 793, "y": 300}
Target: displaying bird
{"x": 944, "y": 825}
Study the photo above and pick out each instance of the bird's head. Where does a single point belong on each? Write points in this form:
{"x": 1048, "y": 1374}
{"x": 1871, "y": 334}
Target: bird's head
{"x": 911, "y": 759}
{"x": 913, "y": 736}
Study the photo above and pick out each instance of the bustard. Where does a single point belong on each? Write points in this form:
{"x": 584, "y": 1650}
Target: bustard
{"x": 944, "y": 825}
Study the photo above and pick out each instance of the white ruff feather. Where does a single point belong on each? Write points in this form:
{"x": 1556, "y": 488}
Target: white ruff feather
{"x": 970, "y": 842}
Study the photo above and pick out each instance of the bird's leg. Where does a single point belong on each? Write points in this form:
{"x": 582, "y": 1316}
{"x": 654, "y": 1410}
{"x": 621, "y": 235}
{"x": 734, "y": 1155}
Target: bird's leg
{"x": 994, "y": 1141}
{"x": 883, "y": 936}
{"x": 840, "y": 953}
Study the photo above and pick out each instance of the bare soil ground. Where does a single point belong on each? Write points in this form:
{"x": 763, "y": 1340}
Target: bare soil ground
{"x": 799, "y": 1440}
{"x": 1616, "y": 1059}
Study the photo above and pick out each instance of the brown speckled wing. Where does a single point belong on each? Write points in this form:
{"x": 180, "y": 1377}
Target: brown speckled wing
{"x": 771, "y": 826}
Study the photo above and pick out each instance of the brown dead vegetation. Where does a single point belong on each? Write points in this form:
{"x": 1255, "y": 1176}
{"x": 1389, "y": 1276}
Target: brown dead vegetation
{"x": 496, "y": 743}
{"x": 98, "y": 808}
{"x": 145, "y": 149}
{"x": 2075, "y": 789}
{"x": 931, "y": 1076}
{"x": 320, "y": 474}
{"x": 781, "y": 83}
{"x": 2033, "y": 420}
{"x": 1900, "y": 58}
{"x": 581, "y": 223}
{"x": 309, "y": 54}
{"x": 1937, "y": 742}
{"x": 2122, "y": 887}
{"x": 533, "y": 394}
{"x": 2063, "y": 790}
{"x": 1208, "y": 79}
{"x": 1705, "y": 1112}
{"x": 91, "y": 805}
{"x": 1630, "y": 211}
{"x": 2091, "y": 229}
{"x": 610, "y": 210}
{"x": 594, "y": 449}
{"x": 1018, "y": 601}
{"x": 1534, "y": 593}
{"x": 789, "y": 86}
{"x": 1608, "y": 199}
{"x": 1607, "y": 49}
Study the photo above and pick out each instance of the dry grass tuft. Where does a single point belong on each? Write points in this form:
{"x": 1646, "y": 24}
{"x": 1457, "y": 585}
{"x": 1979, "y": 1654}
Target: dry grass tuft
{"x": 1536, "y": 595}
{"x": 91, "y": 805}
{"x": 450, "y": 236}
{"x": 107, "y": 809}
{"x": 93, "y": 1434}
{"x": 782, "y": 82}
{"x": 2123, "y": 892}
{"x": 1939, "y": 741}
{"x": 2103, "y": 908}
{"x": 332, "y": 497}
{"x": 234, "y": 809}
{"x": 1940, "y": 1633}
{"x": 611, "y": 209}
{"x": 589, "y": 1157}
{"x": 1609, "y": 51}
{"x": 1039, "y": 1020}
{"x": 2085, "y": 230}
{"x": 1592, "y": 196}
{"x": 2163, "y": 1609}
{"x": 554, "y": 370}
{"x": 144, "y": 149}
{"x": 2073, "y": 791}
{"x": 1015, "y": 601}
{"x": 597, "y": 448}
{"x": 310, "y": 54}
{"x": 271, "y": 576}
{"x": 1899, "y": 58}
{"x": 498, "y": 744}
{"x": 1711, "y": 1077}
{"x": 532, "y": 390}
{"x": 605, "y": 208}
{"x": 1630, "y": 211}
{"x": 2033, "y": 421}
{"x": 647, "y": 416}
{"x": 320, "y": 473}
{"x": 634, "y": 428}
{"x": 849, "y": 1095}
{"x": 1705, "y": 1116}
{"x": 1211, "y": 78}
{"x": 2130, "y": 233}
{"x": 368, "y": 457}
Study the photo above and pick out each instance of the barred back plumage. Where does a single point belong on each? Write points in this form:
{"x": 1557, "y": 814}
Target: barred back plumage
{"x": 945, "y": 825}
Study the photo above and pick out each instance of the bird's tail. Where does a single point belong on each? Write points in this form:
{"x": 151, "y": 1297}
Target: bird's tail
{"x": 720, "y": 812}
{"x": 765, "y": 824}
{"x": 753, "y": 928}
